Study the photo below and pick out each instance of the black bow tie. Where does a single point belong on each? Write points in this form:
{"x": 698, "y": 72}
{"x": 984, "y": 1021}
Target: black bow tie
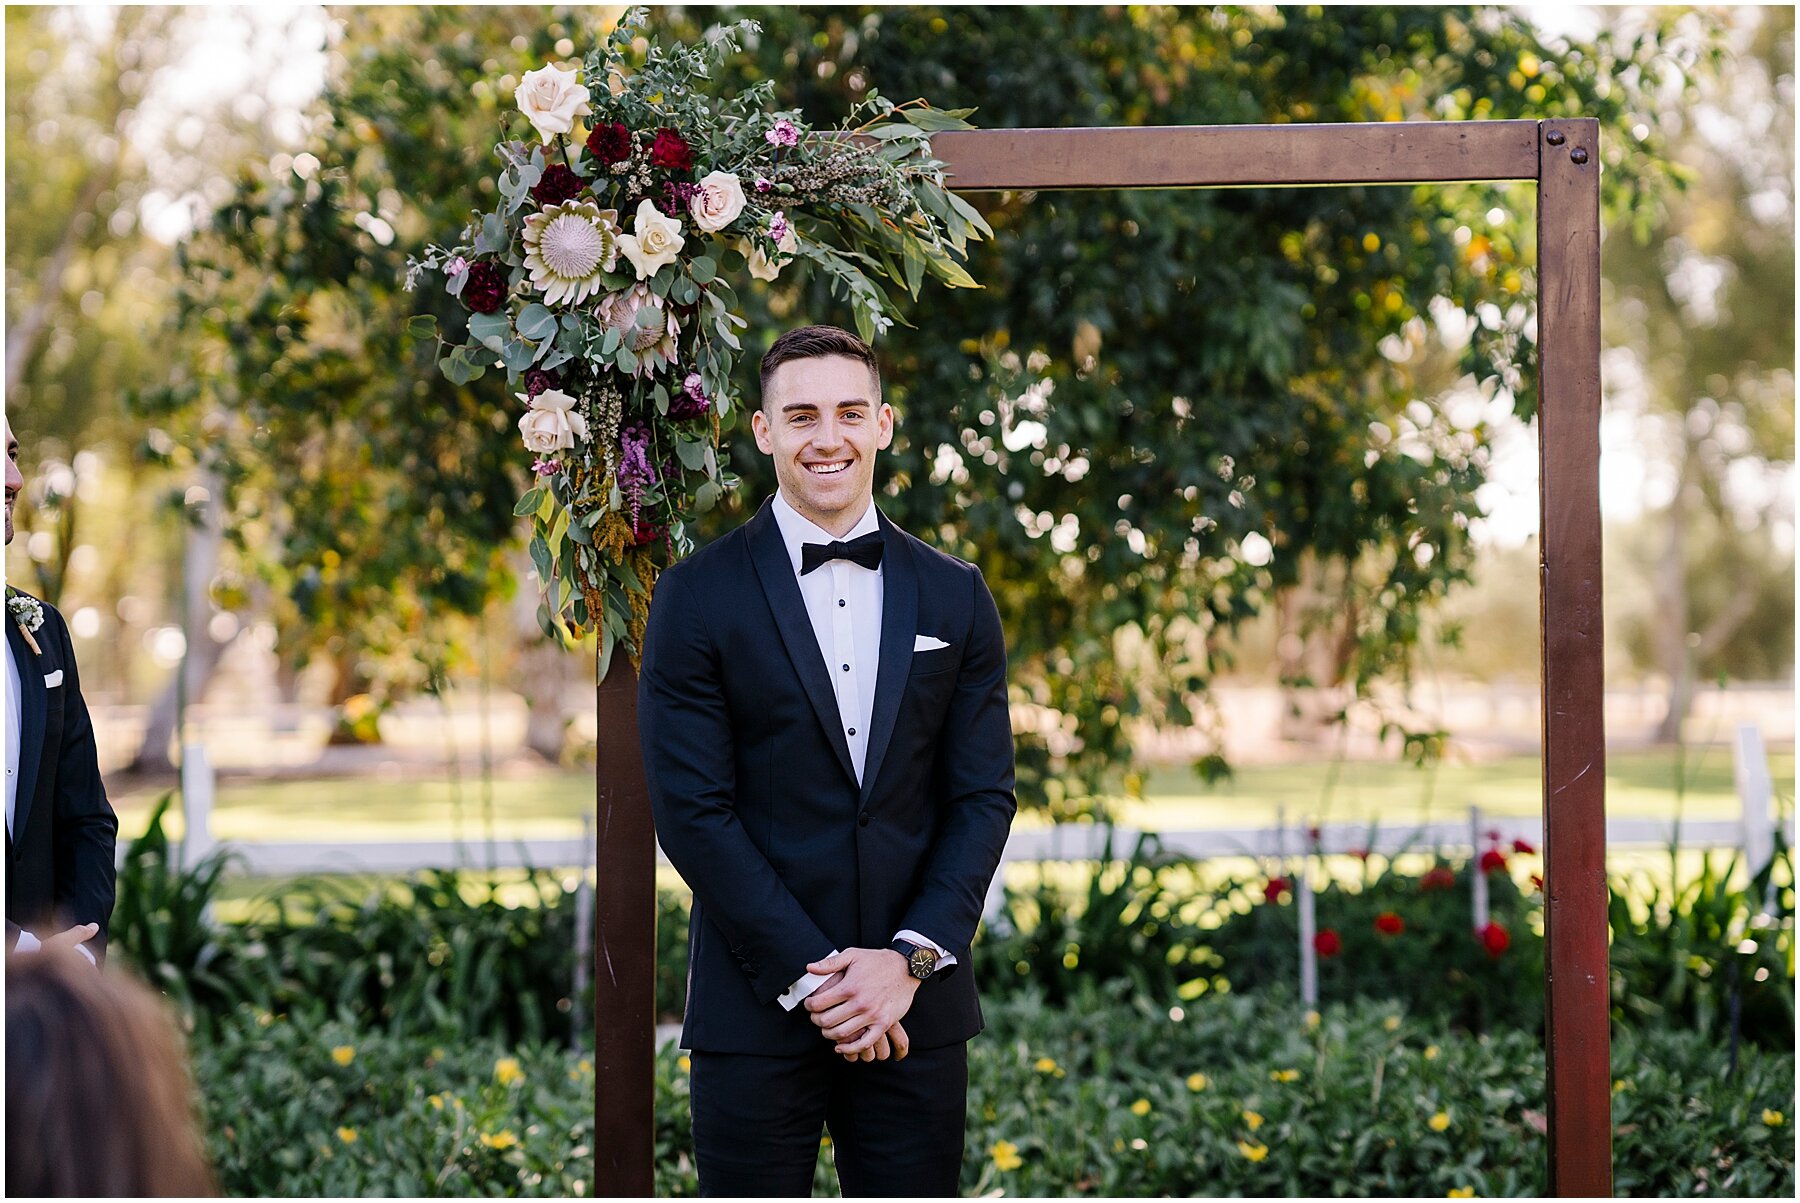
{"x": 865, "y": 551}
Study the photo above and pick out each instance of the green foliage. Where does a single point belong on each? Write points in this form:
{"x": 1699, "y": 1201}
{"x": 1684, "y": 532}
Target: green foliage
{"x": 161, "y": 923}
{"x": 1063, "y": 1087}
{"x": 440, "y": 1114}
{"x": 1694, "y": 950}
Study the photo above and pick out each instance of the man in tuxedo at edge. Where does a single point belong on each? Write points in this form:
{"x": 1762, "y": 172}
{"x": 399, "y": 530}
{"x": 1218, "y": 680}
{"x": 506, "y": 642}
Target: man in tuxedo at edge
{"x": 823, "y": 712}
{"x": 60, "y": 829}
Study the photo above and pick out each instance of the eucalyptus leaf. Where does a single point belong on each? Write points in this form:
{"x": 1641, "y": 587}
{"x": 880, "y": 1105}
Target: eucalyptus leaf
{"x": 536, "y": 322}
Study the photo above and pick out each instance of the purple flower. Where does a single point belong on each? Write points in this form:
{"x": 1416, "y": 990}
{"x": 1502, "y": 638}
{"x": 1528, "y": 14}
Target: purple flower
{"x": 537, "y": 380}
{"x": 778, "y": 227}
{"x": 456, "y": 266}
{"x": 763, "y": 184}
{"x": 693, "y": 401}
{"x": 545, "y": 467}
{"x": 785, "y": 133}
{"x": 635, "y": 472}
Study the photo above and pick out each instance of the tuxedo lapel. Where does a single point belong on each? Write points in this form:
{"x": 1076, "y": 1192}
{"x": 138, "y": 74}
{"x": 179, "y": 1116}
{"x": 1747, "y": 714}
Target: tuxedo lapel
{"x": 899, "y": 624}
{"x": 32, "y": 709}
{"x": 775, "y": 571}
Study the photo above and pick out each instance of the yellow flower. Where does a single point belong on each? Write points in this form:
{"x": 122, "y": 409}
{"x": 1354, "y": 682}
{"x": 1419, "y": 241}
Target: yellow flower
{"x": 347, "y": 1135}
{"x": 1006, "y": 1156}
{"x": 1773, "y": 1118}
{"x": 585, "y": 1066}
{"x": 1620, "y": 1084}
{"x": 687, "y": 1065}
{"x": 343, "y": 1054}
{"x": 1045, "y": 1065}
{"x": 507, "y": 1071}
{"x": 1431, "y": 1052}
{"x": 264, "y": 1019}
{"x": 1284, "y": 1075}
{"x": 499, "y": 1140}
{"x": 1196, "y": 1082}
{"x": 1141, "y": 1107}
{"x": 1312, "y": 1019}
{"x": 1254, "y": 1152}
{"x": 1254, "y": 1120}
{"x": 1462, "y": 1192}
{"x": 1439, "y": 1122}
{"x": 436, "y": 1101}
{"x": 1391, "y": 1023}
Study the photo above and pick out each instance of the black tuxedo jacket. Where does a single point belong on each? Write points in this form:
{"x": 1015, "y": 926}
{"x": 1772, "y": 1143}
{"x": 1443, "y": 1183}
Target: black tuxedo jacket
{"x": 59, "y": 855}
{"x": 756, "y": 800}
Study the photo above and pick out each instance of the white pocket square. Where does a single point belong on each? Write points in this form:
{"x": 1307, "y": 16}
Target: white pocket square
{"x": 927, "y": 643}
{"x": 52, "y": 680}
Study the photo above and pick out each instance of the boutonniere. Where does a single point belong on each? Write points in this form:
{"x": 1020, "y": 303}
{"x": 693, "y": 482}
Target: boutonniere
{"x": 28, "y": 612}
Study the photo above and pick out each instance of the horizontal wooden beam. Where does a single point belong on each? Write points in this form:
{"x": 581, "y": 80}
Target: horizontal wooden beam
{"x": 1225, "y": 156}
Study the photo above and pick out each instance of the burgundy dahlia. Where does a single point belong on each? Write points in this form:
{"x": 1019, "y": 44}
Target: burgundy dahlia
{"x": 691, "y": 402}
{"x": 610, "y": 143}
{"x": 671, "y": 152}
{"x": 485, "y": 290}
{"x": 558, "y": 184}
{"x": 645, "y": 531}
{"x": 537, "y": 380}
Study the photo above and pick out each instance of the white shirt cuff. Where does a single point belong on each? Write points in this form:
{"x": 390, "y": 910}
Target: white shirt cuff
{"x": 804, "y": 985}
{"x": 27, "y": 942}
{"x": 945, "y": 960}
{"x": 83, "y": 950}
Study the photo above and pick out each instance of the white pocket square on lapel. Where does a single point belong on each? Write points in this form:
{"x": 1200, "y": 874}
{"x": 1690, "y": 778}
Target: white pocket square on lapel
{"x": 927, "y": 643}
{"x": 52, "y": 680}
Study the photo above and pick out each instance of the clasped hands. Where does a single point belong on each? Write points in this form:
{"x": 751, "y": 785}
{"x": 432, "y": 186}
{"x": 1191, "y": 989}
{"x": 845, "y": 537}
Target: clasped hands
{"x": 860, "y": 1006}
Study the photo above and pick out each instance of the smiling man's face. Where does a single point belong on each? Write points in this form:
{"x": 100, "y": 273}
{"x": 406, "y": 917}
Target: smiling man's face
{"x": 14, "y": 479}
{"x": 822, "y": 421}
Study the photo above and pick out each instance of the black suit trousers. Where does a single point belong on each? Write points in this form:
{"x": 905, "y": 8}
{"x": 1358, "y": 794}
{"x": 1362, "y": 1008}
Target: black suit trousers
{"x": 896, "y": 1127}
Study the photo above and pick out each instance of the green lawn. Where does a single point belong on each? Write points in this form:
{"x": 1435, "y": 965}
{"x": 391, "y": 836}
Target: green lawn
{"x": 402, "y": 807}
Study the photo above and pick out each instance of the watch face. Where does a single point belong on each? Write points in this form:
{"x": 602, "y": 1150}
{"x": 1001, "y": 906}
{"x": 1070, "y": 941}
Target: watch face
{"x": 922, "y": 962}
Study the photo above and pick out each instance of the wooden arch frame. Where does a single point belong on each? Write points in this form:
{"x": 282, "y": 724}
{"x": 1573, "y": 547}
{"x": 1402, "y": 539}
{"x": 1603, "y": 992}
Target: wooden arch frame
{"x": 1563, "y": 158}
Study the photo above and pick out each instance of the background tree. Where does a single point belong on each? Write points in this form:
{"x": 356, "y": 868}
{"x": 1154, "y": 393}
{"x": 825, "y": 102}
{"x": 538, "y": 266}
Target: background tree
{"x": 1701, "y": 309}
{"x": 1164, "y": 410}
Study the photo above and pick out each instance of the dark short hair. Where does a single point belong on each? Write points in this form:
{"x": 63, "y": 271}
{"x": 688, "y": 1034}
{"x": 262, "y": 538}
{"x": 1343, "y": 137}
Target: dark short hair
{"x": 817, "y": 342}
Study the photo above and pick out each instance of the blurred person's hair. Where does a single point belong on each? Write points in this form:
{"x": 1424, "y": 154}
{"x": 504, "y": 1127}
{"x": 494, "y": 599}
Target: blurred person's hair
{"x": 98, "y": 1098}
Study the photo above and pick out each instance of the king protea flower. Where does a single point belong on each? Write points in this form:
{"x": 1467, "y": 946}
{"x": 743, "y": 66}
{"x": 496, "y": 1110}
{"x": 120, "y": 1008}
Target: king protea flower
{"x": 567, "y": 246}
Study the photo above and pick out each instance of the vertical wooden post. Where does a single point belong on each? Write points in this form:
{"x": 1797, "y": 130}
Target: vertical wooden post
{"x": 1576, "y": 996}
{"x": 624, "y": 949}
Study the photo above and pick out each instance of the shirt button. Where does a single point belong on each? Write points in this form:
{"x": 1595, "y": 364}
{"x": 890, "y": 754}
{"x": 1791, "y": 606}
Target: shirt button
{"x": 853, "y": 730}
{"x": 846, "y": 668}
{"x": 840, "y": 601}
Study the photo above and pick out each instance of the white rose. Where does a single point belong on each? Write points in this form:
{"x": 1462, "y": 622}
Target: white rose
{"x": 717, "y": 201}
{"x": 551, "y": 99}
{"x": 761, "y": 266}
{"x": 552, "y": 423}
{"x": 653, "y": 242}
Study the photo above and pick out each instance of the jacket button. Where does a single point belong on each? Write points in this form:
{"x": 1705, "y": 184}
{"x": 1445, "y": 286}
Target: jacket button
{"x": 862, "y": 820}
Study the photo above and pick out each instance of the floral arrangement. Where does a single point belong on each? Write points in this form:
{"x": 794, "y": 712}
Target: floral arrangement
{"x": 602, "y": 283}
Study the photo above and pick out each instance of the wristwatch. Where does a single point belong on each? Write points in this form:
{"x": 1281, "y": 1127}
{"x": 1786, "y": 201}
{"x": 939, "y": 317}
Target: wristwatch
{"x": 920, "y": 962}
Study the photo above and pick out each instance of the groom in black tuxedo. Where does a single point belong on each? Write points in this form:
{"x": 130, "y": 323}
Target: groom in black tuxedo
{"x": 822, "y": 705}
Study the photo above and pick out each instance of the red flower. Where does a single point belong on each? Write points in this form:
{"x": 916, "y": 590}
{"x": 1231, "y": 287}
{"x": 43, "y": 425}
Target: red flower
{"x": 1494, "y": 939}
{"x": 558, "y": 184}
{"x": 1522, "y": 848}
{"x": 1440, "y": 878}
{"x": 538, "y": 380}
{"x": 1492, "y": 859}
{"x": 645, "y": 531}
{"x": 1272, "y": 891}
{"x": 1389, "y": 924}
{"x": 1327, "y": 944}
{"x": 671, "y": 151}
{"x": 485, "y": 289}
{"x": 1537, "y": 882}
{"x": 609, "y": 143}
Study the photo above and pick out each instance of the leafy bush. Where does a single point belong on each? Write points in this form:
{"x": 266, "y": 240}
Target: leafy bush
{"x": 1703, "y": 946}
{"x": 298, "y": 1106}
{"x": 1111, "y": 1094}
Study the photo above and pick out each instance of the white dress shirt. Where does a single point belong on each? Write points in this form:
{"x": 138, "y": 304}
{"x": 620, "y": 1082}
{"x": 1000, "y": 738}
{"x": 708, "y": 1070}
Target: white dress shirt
{"x": 843, "y": 600}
